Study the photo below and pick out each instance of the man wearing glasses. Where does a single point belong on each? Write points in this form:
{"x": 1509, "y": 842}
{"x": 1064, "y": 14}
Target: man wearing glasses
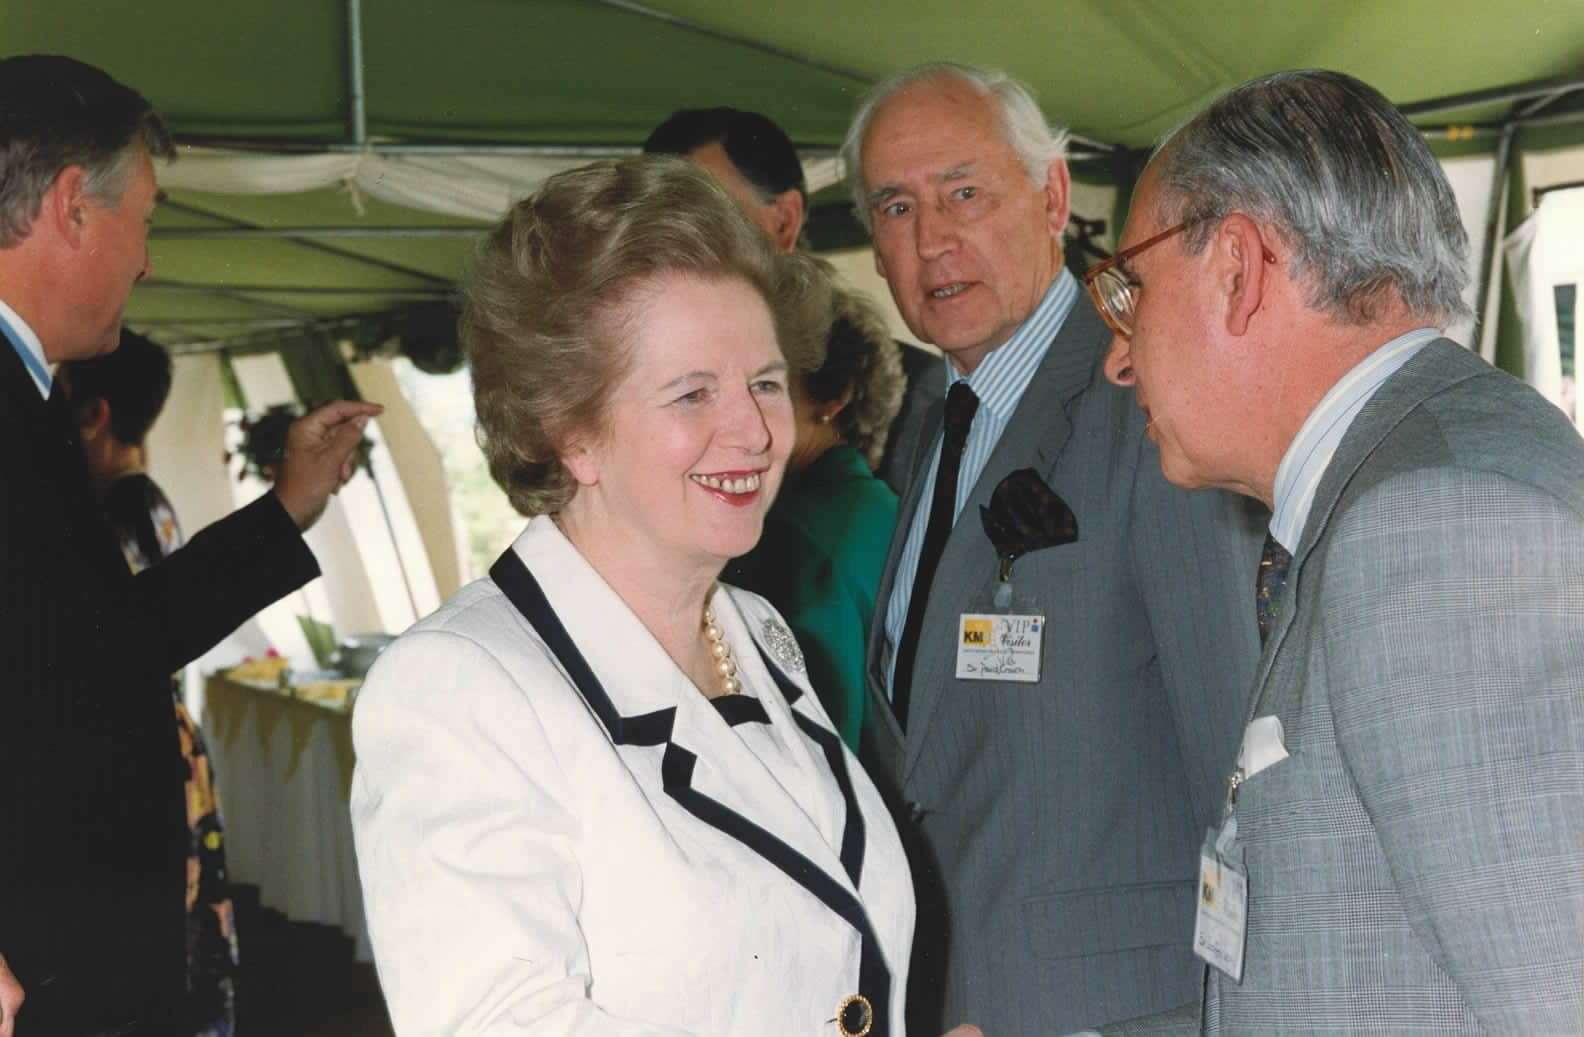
{"x": 1063, "y": 641}
{"x": 1402, "y": 846}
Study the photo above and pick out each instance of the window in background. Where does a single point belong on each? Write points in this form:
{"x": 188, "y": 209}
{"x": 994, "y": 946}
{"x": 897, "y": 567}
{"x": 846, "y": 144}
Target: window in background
{"x": 1545, "y": 262}
{"x": 444, "y": 404}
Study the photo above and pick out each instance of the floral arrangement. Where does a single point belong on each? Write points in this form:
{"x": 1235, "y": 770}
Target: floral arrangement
{"x": 263, "y": 443}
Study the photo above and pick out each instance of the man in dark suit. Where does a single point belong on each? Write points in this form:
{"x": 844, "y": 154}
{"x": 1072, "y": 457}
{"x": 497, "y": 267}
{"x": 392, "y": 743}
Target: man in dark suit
{"x": 92, "y": 872}
{"x": 1054, "y": 795}
{"x": 753, "y": 159}
{"x": 1408, "y": 814}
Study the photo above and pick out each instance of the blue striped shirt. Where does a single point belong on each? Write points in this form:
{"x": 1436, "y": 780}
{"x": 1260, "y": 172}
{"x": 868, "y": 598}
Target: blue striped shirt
{"x": 1310, "y": 453}
{"x": 999, "y": 382}
{"x": 28, "y": 348}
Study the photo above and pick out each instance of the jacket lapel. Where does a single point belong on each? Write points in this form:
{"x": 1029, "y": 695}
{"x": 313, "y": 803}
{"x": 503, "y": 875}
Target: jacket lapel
{"x": 704, "y": 768}
{"x": 1434, "y": 368}
{"x": 1034, "y": 438}
{"x": 888, "y": 739}
{"x": 645, "y": 702}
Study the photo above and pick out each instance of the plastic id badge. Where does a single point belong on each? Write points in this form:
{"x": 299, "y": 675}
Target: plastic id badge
{"x": 999, "y": 646}
{"x": 1222, "y": 921}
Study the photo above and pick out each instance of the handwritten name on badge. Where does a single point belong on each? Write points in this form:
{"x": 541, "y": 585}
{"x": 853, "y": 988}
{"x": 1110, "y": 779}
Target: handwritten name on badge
{"x": 999, "y": 647}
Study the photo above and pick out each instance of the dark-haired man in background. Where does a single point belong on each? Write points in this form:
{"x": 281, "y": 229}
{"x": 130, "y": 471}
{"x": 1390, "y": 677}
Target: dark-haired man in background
{"x": 116, "y": 399}
{"x": 754, "y": 161}
{"x": 92, "y": 867}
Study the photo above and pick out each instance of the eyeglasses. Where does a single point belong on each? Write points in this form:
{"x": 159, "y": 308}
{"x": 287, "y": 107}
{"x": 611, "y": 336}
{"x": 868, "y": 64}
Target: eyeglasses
{"x": 1114, "y": 290}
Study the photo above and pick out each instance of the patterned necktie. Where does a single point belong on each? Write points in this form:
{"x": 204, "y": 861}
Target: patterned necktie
{"x": 961, "y": 405}
{"x": 1274, "y": 560}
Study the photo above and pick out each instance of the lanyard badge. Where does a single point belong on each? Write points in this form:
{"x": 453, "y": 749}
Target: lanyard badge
{"x": 1221, "y": 926}
{"x": 1003, "y": 638}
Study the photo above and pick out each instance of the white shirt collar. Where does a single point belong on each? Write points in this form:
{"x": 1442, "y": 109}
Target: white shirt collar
{"x": 1005, "y": 372}
{"x": 1310, "y": 453}
{"x": 17, "y": 327}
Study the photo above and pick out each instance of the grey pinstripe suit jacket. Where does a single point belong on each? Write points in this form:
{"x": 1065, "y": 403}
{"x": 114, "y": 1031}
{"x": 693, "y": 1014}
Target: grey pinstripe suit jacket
{"x": 1052, "y": 827}
{"x": 1417, "y": 864}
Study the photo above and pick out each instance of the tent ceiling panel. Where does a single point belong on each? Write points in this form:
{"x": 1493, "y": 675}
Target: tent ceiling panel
{"x": 256, "y": 69}
{"x": 586, "y": 72}
{"x": 231, "y": 267}
{"x": 596, "y": 72}
{"x": 1128, "y": 72}
{"x": 434, "y": 257}
{"x": 570, "y": 71}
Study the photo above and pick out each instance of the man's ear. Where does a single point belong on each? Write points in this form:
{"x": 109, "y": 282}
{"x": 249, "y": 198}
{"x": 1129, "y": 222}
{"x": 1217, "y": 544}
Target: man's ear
{"x": 1058, "y": 197}
{"x": 1240, "y": 270}
{"x": 65, "y": 205}
{"x": 790, "y": 211}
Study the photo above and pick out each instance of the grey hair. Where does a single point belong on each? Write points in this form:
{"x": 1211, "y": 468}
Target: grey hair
{"x": 1342, "y": 176}
{"x": 1036, "y": 141}
{"x": 57, "y": 112}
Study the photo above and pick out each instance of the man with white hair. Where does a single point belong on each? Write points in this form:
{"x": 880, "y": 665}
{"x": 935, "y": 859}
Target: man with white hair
{"x": 1402, "y": 847}
{"x": 1058, "y": 659}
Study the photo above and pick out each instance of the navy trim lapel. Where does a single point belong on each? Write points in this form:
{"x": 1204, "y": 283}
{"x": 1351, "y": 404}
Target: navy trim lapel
{"x": 676, "y": 770}
{"x": 740, "y": 709}
{"x": 853, "y": 833}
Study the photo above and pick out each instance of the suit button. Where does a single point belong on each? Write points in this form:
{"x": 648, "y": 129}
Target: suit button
{"x": 915, "y": 811}
{"x": 854, "y": 1016}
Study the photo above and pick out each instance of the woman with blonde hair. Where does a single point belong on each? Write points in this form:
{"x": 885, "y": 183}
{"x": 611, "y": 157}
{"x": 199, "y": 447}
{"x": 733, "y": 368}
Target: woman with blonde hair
{"x": 595, "y": 793}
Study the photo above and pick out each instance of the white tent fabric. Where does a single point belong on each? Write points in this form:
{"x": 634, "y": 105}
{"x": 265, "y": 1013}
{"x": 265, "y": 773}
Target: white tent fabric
{"x": 474, "y": 187}
{"x": 362, "y": 589}
{"x": 1545, "y": 251}
{"x": 185, "y": 456}
{"x": 421, "y": 471}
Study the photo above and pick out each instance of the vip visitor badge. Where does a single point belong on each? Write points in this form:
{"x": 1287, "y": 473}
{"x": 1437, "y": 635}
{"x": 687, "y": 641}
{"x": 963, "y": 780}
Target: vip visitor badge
{"x": 1222, "y": 921}
{"x": 999, "y": 647}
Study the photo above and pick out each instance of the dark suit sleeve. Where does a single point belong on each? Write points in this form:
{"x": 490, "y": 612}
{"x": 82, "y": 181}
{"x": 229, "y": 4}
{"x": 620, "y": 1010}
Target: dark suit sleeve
{"x": 224, "y": 575}
{"x": 1454, "y": 652}
{"x": 1195, "y": 555}
{"x": 91, "y": 811}
{"x": 167, "y": 615}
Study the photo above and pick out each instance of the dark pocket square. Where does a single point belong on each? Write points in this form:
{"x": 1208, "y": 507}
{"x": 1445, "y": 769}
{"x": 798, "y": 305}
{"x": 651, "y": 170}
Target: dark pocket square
{"x": 1026, "y": 515}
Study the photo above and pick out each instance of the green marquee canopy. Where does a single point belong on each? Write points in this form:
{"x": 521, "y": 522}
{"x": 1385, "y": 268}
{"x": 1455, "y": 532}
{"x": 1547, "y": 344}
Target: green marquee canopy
{"x": 588, "y": 76}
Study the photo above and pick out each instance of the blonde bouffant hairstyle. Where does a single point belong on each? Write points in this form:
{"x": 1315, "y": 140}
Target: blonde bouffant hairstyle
{"x": 551, "y": 297}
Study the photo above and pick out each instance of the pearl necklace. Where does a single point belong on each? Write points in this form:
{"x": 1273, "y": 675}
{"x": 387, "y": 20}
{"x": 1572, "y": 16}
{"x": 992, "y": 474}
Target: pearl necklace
{"x": 725, "y": 668}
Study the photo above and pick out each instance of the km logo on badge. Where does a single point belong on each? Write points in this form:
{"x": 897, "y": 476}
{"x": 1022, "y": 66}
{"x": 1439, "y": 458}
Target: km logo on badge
{"x": 976, "y": 632}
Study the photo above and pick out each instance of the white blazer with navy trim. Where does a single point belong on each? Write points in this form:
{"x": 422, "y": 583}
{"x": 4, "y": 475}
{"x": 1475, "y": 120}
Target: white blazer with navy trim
{"x": 557, "y": 834}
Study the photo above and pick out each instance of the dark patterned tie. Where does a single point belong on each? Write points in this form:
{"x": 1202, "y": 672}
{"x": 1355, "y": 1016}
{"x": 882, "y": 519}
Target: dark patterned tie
{"x": 961, "y": 404}
{"x": 1274, "y": 560}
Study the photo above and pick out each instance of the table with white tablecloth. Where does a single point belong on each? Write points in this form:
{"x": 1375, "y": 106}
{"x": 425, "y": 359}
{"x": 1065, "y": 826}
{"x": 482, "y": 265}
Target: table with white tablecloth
{"x": 283, "y": 768}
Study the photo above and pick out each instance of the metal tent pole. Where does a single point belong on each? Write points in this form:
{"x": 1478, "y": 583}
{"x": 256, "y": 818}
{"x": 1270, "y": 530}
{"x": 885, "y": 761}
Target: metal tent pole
{"x": 357, "y": 114}
{"x": 1493, "y": 213}
{"x": 1513, "y": 92}
{"x": 243, "y": 228}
